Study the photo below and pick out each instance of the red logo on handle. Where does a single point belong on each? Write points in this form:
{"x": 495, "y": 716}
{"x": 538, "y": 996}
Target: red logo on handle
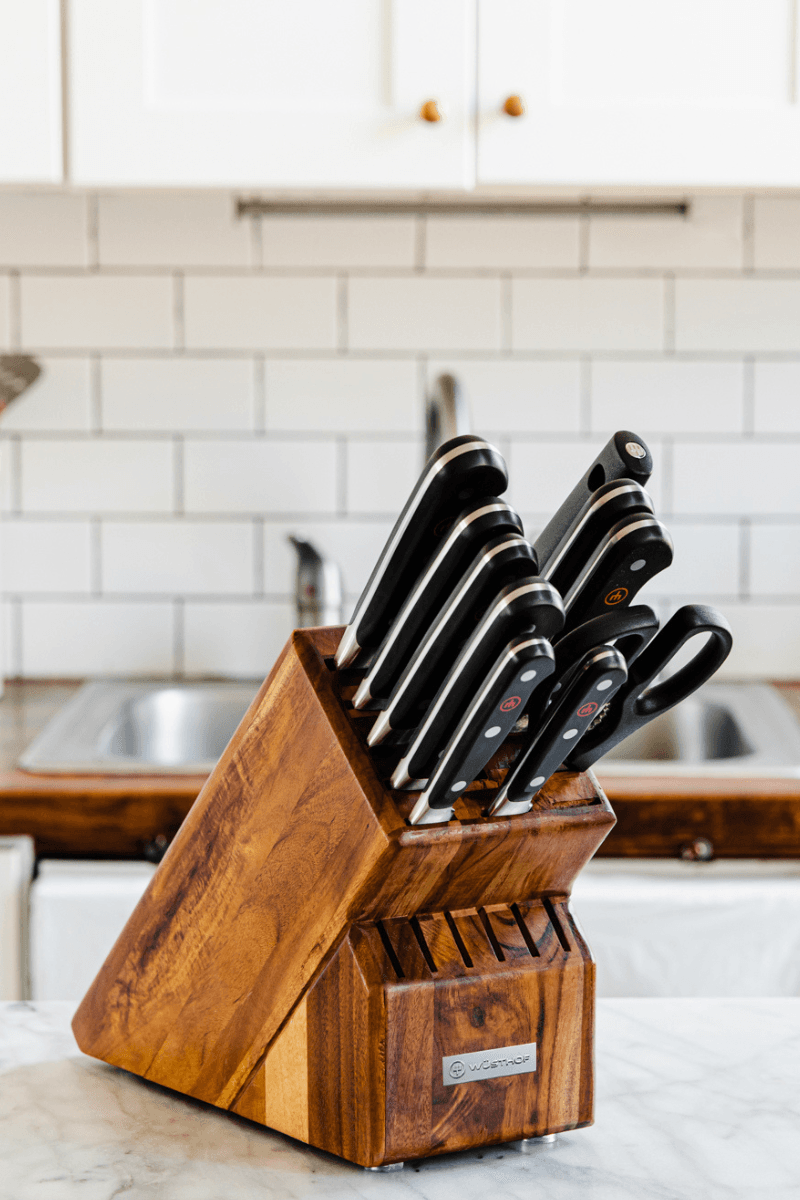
{"x": 586, "y": 710}
{"x": 511, "y": 703}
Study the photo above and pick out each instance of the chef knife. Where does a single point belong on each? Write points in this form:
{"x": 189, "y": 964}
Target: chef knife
{"x": 522, "y": 666}
{"x": 462, "y": 469}
{"x": 503, "y": 560}
{"x": 600, "y": 674}
{"x": 530, "y": 604}
{"x": 476, "y": 525}
{"x": 633, "y": 552}
{"x": 609, "y": 504}
{"x": 625, "y": 456}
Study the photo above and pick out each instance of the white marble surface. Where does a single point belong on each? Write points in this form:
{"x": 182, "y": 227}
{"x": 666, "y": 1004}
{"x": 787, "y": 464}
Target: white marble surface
{"x": 696, "y": 1098}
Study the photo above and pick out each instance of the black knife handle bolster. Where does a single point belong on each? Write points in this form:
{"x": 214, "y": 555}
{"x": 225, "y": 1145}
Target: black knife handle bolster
{"x": 602, "y": 674}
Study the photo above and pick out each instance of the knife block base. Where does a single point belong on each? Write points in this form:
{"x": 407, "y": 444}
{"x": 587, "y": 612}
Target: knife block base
{"x": 306, "y": 959}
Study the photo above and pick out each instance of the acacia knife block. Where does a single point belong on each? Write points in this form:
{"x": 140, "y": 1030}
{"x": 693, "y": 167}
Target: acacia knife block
{"x": 305, "y": 958}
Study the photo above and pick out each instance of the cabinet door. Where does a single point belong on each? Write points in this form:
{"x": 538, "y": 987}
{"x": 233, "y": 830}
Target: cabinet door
{"x": 269, "y": 93}
{"x": 626, "y": 92}
{"x": 30, "y": 91}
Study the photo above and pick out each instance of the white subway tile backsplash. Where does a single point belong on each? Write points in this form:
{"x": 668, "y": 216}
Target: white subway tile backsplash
{"x": 226, "y": 476}
{"x": 739, "y": 315}
{"x": 355, "y": 545}
{"x": 766, "y": 641}
{"x": 9, "y": 453}
{"x": 162, "y": 229}
{"x": 343, "y": 396}
{"x": 736, "y": 478}
{"x": 776, "y": 233}
{"x": 96, "y": 311}
{"x": 513, "y": 243}
{"x": 177, "y": 394}
{"x": 380, "y": 475}
{"x": 96, "y": 475}
{"x": 710, "y": 236}
{"x": 97, "y": 637}
{"x": 668, "y": 396}
{"x": 338, "y": 241}
{"x": 775, "y": 560}
{"x": 542, "y": 474}
{"x": 706, "y": 563}
{"x": 424, "y": 313}
{"x": 254, "y": 312}
{"x": 59, "y": 400}
{"x": 510, "y": 397}
{"x": 5, "y": 312}
{"x": 46, "y": 556}
{"x": 776, "y": 400}
{"x": 43, "y": 229}
{"x": 585, "y": 314}
{"x": 180, "y": 557}
{"x": 239, "y": 640}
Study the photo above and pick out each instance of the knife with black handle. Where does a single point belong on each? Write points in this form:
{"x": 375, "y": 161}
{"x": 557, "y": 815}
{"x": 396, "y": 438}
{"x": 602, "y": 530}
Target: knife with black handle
{"x": 638, "y": 702}
{"x": 522, "y": 666}
{"x": 462, "y": 469}
{"x": 599, "y": 675}
{"x": 625, "y": 456}
{"x": 609, "y": 504}
{"x": 529, "y": 605}
{"x": 633, "y": 552}
{"x": 503, "y": 560}
{"x": 477, "y": 524}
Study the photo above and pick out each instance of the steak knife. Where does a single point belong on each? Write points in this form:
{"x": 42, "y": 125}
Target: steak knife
{"x": 603, "y": 509}
{"x": 599, "y": 675}
{"x": 462, "y": 469}
{"x": 522, "y": 666}
{"x": 633, "y": 551}
{"x": 479, "y": 523}
{"x": 503, "y": 560}
{"x": 531, "y": 604}
{"x": 625, "y": 456}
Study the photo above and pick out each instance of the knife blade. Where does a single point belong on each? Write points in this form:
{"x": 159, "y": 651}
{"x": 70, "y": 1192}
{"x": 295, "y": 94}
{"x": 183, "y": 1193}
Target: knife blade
{"x": 476, "y": 525}
{"x": 633, "y": 552}
{"x": 462, "y": 469}
{"x": 607, "y": 505}
{"x": 505, "y": 559}
{"x": 523, "y": 665}
{"x": 599, "y": 675}
{"x": 624, "y": 456}
{"x": 530, "y": 604}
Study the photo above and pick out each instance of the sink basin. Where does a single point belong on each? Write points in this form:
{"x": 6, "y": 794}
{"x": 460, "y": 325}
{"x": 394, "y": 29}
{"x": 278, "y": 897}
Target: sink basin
{"x": 743, "y": 729}
{"x": 134, "y": 728}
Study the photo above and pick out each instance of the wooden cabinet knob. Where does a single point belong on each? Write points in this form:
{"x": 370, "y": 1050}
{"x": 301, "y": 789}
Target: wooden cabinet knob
{"x": 514, "y": 106}
{"x": 430, "y": 111}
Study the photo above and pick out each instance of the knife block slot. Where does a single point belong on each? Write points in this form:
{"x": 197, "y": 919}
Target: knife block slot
{"x": 304, "y": 958}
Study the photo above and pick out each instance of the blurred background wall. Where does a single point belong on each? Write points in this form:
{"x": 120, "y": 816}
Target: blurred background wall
{"x": 212, "y": 384}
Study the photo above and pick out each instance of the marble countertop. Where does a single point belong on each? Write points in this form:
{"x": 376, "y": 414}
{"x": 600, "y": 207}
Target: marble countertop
{"x": 696, "y": 1099}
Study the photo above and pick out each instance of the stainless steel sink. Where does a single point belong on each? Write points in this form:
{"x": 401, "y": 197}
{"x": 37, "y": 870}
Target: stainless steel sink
{"x": 725, "y": 729}
{"x": 134, "y": 728}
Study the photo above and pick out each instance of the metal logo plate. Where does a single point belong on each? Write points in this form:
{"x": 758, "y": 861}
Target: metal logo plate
{"x": 488, "y": 1064}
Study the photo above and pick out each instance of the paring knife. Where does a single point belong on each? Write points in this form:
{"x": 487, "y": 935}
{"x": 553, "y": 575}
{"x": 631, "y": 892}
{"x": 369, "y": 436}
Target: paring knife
{"x": 625, "y": 456}
{"x": 609, "y": 504}
{"x": 522, "y": 666}
{"x": 462, "y": 469}
{"x": 633, "y": 551}
{"x": 637, "y": 702}
{"x": 476, "y": 525}
{"x": 505, "y": 559}
{"x": 530, "y": 604}
{"x": 599, "y": 675}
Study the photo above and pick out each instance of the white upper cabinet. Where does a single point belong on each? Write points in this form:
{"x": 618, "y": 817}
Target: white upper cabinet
{"x": 272, "y": 94}
{"x": 620, "y": 92}
{"x": 30, "y": 91}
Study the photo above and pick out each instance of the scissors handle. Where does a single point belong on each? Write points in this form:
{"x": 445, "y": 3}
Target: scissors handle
{"x": 637, "y": 703}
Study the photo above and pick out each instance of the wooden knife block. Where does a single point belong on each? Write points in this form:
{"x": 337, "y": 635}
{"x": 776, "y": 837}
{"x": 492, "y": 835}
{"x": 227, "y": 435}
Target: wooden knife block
{"x": 305, "y": 958}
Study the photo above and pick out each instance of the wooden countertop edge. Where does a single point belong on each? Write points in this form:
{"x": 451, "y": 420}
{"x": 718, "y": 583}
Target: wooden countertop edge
{"x": 21, "y": 784}
{"x": 672, "y": 788}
